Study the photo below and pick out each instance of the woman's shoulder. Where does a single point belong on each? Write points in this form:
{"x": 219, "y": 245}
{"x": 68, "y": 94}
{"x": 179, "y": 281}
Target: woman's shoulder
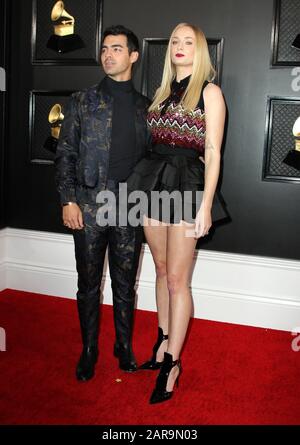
{"x": 211, "y": 87}
{"x": 211, "y": 90}
{"x": 213, "y": 97}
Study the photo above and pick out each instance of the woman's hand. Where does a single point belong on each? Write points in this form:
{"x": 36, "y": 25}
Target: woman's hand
{"x": 203, "y": 221}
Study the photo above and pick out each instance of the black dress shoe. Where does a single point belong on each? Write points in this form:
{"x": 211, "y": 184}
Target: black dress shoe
{"x": 86, "y": 366}
{"x": 126, "y": 358}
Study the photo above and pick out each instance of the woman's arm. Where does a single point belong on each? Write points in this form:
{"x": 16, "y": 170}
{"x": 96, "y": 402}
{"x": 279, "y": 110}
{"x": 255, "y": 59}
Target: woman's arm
{"x": 215, "y": 118}
{"x": 214, "y": 107}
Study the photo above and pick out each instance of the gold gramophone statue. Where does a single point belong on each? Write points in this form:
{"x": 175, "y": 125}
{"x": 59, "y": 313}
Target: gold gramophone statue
{"x": 55, "y": 119}
{"x": 293, "y": 157}
{"x": 63, "y": 40}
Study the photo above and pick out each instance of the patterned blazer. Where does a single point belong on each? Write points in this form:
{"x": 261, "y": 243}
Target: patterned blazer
{"x": 82, "y": 156}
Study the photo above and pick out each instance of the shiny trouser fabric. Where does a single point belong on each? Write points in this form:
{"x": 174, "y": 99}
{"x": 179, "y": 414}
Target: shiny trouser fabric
{"x": 124, "y": 246}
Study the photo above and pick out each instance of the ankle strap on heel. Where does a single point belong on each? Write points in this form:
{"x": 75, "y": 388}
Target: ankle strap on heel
{"x": 161, "y": 335}
{"x": 168, "y": 361}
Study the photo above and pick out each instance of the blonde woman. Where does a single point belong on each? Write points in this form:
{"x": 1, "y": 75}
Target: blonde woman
{"x": 186, "y": 121}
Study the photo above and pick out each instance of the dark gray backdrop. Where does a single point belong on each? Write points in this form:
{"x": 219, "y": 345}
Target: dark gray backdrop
{"x": 266, "y": 215}
{"x": 4, "y": 57}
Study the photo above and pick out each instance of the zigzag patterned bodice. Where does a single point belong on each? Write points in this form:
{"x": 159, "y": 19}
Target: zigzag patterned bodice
{"x": 172, "y": 125}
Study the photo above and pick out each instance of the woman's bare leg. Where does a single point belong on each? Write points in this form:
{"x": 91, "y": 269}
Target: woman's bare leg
{"x": 180, "y": 254}
{"x": 156, "y": 236}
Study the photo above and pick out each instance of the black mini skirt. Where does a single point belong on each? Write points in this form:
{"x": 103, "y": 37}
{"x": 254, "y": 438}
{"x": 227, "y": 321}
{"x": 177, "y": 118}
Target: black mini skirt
{"x": 179, "y": 173}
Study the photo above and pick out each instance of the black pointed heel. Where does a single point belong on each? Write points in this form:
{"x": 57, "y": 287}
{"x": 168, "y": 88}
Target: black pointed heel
{"x": 160, "y": 393}
{"x": 153, "y": 364}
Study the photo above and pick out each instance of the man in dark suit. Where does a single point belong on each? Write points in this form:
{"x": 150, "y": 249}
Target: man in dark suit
{"x": 104, "y": 134}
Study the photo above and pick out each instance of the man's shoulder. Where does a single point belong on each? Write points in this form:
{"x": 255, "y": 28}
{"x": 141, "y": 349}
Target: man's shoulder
{"x": 143, "y": 100}
{"x": 93, "y": 92}
{"x": 81, "y": 95}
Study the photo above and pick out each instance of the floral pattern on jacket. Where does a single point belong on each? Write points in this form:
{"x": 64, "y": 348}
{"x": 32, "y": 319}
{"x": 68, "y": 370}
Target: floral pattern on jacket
{"x": 82, "y": 156}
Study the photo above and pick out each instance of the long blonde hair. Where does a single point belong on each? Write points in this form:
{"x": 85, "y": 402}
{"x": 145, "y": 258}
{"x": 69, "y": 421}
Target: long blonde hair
{"x": 202, "y": 70}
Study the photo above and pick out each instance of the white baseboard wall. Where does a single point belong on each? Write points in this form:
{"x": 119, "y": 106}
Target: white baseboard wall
{"x": 233, "y": 288}
{"x": 3, "y": 251}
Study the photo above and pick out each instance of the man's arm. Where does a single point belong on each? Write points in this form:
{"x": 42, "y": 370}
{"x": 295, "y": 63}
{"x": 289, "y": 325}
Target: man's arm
{"x": 65, "y": 161}
{"x": 67, "y": 152}
{"x": 148, "y": 130}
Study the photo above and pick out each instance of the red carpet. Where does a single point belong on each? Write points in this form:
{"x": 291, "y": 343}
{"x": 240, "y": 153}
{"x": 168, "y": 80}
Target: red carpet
{"x": 231, "y": 374}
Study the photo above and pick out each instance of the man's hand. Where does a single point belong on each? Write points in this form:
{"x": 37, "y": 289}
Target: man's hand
{"x": 72, "y": 216}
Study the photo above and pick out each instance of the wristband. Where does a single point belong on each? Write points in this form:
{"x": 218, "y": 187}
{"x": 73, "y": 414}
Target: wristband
{"x": 68, "y": 203}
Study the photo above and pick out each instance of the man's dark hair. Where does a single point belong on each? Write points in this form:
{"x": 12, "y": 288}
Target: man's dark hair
{"x": 132, "y": 40}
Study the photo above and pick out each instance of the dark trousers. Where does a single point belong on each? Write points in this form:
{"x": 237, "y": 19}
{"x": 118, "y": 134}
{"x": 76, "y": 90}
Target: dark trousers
{"x": 124, "y": 246}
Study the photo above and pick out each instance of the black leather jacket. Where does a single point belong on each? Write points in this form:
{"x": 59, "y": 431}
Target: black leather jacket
{"x": 82, "y": 156}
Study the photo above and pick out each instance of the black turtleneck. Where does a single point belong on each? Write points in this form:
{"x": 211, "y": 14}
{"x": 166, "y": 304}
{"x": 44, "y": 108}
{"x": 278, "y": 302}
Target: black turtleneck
{"x": 122, "y": 150}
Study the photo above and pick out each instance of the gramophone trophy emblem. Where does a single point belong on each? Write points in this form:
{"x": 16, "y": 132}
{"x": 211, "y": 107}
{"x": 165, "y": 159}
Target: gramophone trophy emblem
{"x": 293, "y": 157}
{"x": 55, "y": 119}
{"x": 63, "y": 40}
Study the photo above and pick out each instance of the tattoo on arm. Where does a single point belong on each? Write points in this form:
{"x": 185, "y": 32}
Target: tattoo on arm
{"x": 209, "y": 145}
